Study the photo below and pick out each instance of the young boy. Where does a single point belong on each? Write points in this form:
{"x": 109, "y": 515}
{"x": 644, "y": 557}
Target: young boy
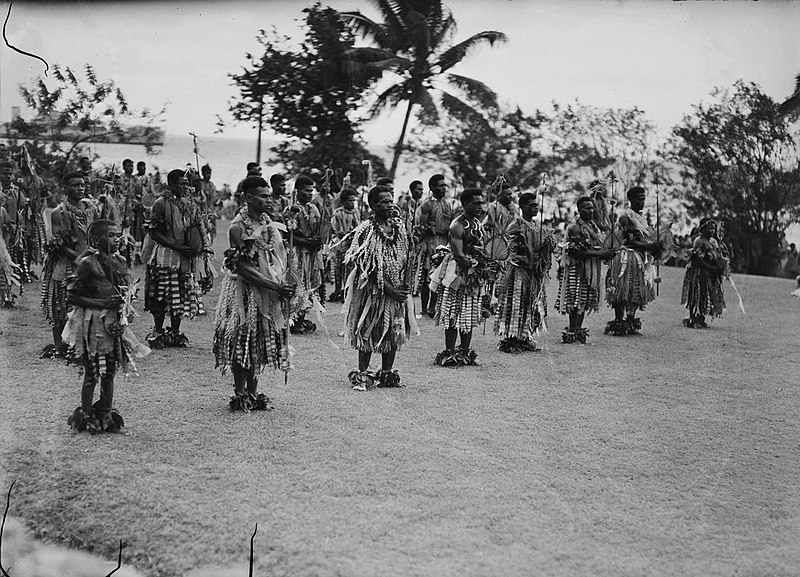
{"x": 97, "y": 328}
{"x": 344, "y": 220}
{"x": 249, "y": 326}
{"x": 521, "y": 293}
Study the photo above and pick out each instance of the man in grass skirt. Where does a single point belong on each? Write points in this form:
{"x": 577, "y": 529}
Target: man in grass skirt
{"x": 379, "y": 312}
{"x": 433, "y": 225}
{"x": 460, "y": 282}
{"x": 344, "y": 221}
{"x": 16, "y": 227}
{"x": 249, "y": 326}
{"x": 98, "y": 328}
{"x": 702, "y": 284}
{"x": 70, "y": 222}
{"x": 631, "y": 277}
{"x": 580, "y": 260}
{"x": 521, "y": 292}
{"x": 170, "y": 283}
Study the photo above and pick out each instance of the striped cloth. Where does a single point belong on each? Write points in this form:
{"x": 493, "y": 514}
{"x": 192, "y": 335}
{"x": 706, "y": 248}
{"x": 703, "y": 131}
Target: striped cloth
{"x": 178, "y": 291}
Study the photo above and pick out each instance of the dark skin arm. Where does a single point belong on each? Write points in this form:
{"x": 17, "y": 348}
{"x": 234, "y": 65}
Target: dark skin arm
{"x": 251, "y": 274}
{"x": 636, "y": 244}
{"x": 457, "y": 245}
{"x": 574, "y": 235}
{"x": 58, "y": 230}
{"x": 162, "y": 239}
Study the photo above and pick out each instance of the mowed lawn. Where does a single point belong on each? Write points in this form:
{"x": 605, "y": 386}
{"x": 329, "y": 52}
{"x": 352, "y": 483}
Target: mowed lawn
{"x": 672, "y": 453}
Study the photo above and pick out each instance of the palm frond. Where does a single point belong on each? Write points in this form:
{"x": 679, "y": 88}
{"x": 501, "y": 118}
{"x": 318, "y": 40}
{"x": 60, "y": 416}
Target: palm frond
{"x": 445, "y": 28}
{"x": 418, "y": 35}
{"x": 474, "y": 89}
{"x": 462, "y": 111}
{"x": 429, "y": 112}
{"x": 456, "y": 54}
{"x": 366, "y": 28}
{"x": 391, "y": 97}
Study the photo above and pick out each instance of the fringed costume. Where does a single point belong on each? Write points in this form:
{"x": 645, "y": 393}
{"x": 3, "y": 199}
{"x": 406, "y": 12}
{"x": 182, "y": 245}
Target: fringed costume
{"x": 460, "y": 293}
{"x": 343, "y": 222}
{"x": 9, "y": 271}
{"x": 432, "y": 234}
{"x": 375, "y": 322}
{"x": 102, "y": 339}
{"x": 521, "y": 292}
{"x": 249, "y": 321}
{"x": 308, "y": 264}
{"x": 579, "y": 278}
{"x": 702, "y": 284}
{"x": 631, "y": 276}
{"x": 70, "y": 225}
{"x": 17, "y": 230}
{"x": 171, "y": 285}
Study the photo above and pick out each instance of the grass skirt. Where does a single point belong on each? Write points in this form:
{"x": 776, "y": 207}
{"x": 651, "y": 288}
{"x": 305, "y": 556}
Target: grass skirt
{"x": 630, "y": 280}
{"x": 375, "y": 322}
{"x": 522, "y": 304}
{"x": 97, "y": 334}
{"x": 179, "y": 291}
{"x": 456, "y": 306}
{"x": 702, "y": 292}
{"x": 242, "y": 334}
{"x": 54, "y": 292}
{"x": 575, "y": 293}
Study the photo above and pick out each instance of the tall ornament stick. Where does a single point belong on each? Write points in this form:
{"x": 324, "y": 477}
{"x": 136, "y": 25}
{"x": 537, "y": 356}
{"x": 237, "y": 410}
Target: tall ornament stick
{"x": 196, "y": 151}
{"x": 292, "y": 223}
{"x": 658, "y": 232}
{"x": 542, "y": 189}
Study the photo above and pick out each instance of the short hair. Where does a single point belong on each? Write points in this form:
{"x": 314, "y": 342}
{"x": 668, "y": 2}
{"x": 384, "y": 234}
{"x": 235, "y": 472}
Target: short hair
{"x": 127, "y": 160}
{"x": 253, "y": 182}
{"x": 434, "y": 179}
{"x": 277, "y": 177}
{"x": 469, "y": 194}
{"x": 206, "y": 166}
{"x": 527, "y": 197}
{"x": 141, "y": 163}
{"x": 252, "y": 165}
{"x": 347, "y": 193}
{"x": 98, "y": 228}
{"x": 303, "y": 181}
{"x": 70, "y": 175}
{"x": 414, "y": 183}
{"x": 375, "y": 192}
{"x": 584, "y": 199}
{"x": 636, "y": 191}
{"x": 174, "y": 175}
{"x": 384, "y": 180}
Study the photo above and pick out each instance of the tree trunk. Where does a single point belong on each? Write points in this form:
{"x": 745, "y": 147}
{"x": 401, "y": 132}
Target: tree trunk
{"x": 398, "y": 148}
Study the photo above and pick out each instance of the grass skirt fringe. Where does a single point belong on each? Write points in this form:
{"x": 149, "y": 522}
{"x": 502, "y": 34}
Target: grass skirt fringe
{"x": 522, "y": 305}
{"x": 630, "y": 280}
{"x": 374, "y": 322}
{"x": 242, "y": 335}
{"x": 97, "y": 334}
{"x": 574, "y": 291}
{"x": 179, "y": 291}
{"x": 54, "y": 293}
{"x": 702, "y": 292}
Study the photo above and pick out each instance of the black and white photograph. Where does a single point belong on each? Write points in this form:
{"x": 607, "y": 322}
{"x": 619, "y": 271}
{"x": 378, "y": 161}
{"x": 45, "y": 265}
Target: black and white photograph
{"x": 403, "y": 288}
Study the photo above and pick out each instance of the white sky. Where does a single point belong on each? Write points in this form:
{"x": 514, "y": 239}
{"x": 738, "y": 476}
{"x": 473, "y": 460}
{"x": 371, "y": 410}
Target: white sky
{"x": 661, "y": 56}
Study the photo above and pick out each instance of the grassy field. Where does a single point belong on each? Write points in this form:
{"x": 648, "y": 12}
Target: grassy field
{"x": 672, "y": 453}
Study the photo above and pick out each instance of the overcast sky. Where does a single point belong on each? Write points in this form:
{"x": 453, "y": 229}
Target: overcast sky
{"x": 661, "y": 56}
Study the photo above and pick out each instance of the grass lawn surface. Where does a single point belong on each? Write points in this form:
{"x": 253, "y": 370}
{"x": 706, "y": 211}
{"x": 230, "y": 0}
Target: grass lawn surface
{"x": 671, "y": 453}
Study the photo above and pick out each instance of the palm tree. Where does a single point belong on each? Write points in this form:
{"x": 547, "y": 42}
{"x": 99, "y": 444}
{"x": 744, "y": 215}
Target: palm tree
{"x": 414, "y": 40}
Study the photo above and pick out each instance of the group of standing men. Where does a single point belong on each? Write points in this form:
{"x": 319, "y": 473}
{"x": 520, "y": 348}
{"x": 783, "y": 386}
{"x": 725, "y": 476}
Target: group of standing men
{"x": 467, "y": 261}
